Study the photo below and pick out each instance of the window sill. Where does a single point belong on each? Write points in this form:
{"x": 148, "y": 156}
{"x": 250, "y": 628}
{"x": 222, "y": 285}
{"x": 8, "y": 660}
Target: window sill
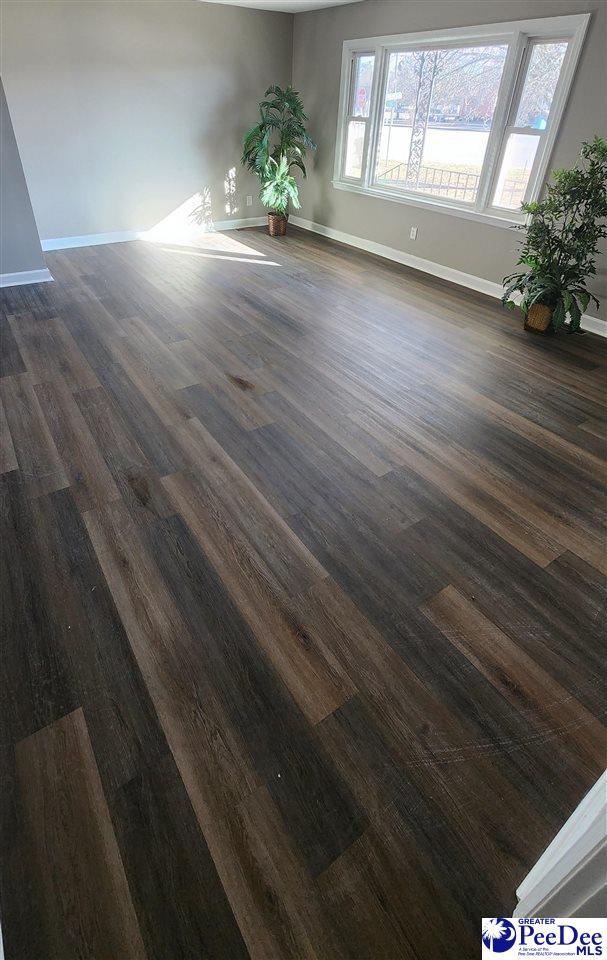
{"x": 438, "y": 206}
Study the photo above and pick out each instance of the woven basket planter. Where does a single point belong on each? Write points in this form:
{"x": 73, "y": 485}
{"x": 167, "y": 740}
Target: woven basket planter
{"x": 538, "y": 318}
{"x": 277, "y": 224}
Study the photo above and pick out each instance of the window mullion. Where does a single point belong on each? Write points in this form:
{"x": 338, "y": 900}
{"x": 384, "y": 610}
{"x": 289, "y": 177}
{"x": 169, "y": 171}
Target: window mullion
{"x": 501, "y": 114}
{"x": 374, "y": 119}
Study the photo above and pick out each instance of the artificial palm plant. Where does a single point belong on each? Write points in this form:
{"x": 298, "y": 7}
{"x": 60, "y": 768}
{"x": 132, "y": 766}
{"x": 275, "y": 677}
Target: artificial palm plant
{"x": 279, "y": 187}
{"x": 561, "y": 244}
{"x": 276, "y": 144}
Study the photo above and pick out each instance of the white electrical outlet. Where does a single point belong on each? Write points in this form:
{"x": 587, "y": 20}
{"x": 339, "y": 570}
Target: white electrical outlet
{"x": 249, "y": 201}
{"x": 413, "y": 233}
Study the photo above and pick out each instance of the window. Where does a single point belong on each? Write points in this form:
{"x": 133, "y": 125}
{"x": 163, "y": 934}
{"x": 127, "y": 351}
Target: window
{"x": 359, "y": 99}
{"x": 462, "y": 120}
{"x": 531, "y": 112}
{"x": 437, "y": 114}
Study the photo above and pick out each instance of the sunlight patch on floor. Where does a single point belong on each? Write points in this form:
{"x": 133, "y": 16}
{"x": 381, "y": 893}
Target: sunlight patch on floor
{"x": 258, "y": 259}
{"x": 191, "y": 225}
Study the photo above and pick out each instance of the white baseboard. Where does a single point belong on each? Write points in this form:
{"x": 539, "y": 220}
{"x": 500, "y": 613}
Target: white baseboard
{"x": 240, "y": 224}
{"x": 408, "y": 259}
{"x": 89, "y": 240}
{"x": 489, "y": 287}
{"x": 25, "y": 276}
{"x": 96, "y": 239}
{"x": 594, "y": 325}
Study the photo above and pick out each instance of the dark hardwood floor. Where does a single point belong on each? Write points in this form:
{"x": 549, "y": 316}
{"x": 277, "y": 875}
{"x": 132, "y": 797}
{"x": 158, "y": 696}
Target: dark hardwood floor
{"x": 304, "y": 598}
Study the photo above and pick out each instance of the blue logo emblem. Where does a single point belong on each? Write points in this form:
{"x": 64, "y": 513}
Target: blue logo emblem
{"x": 499, "y": 934}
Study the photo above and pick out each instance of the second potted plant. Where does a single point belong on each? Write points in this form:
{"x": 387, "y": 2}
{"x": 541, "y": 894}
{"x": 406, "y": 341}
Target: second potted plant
{"x": 273, "y": 147}
{"x": 561, "y": 245}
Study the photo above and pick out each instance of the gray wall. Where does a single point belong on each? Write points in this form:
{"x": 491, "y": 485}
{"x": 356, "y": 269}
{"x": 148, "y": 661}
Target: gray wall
{"x": 19, "y": 242}
{"x": 124, "y": 110}
{"x": 478, "y": 249}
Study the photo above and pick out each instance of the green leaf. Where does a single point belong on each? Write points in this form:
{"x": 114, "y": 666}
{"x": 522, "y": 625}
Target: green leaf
{"x": 514, "y": 285}
{"x": 584, "y": 298}
{"x": 576, "y": 316}
{"x": 276, "y": 144}
{"x": 296, "y": 162}
{"x": 558, "y": 317}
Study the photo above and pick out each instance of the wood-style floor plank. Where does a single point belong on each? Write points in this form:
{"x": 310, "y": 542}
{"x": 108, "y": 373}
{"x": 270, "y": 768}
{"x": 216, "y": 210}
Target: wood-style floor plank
{"x": 84, "y": 899}
{"x": 516, "y": 675}
{"x": 36, "y": 686}
{"x": 39, "y": 462}
{"x": 92, "y": 645}
{"x": 304, "y": 587}
{"x": 313, "y": 676}
{"x": 215, "y": 713}
{"x": 11, "y": 361}
{"x": 8, "y": 457}
{"x": 49, "y": 352}
{"x": 90, "y": 480}
{"x": 170, "y": 870}
{"x": 132, "y": 471}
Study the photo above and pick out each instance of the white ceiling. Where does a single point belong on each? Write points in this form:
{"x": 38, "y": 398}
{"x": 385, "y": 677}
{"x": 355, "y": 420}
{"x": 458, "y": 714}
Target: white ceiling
{"x": 286, "y": 6}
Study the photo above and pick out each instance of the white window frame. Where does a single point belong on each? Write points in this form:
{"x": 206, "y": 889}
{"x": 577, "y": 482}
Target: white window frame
{"x": 520, "y": 36}
{"x": 353, "y": 117}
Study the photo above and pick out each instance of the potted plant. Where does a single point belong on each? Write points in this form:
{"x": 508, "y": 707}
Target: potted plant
{"x": 273, "y": 147}
{"x": 278, "y": 188}
{"x": 561, "y": 244}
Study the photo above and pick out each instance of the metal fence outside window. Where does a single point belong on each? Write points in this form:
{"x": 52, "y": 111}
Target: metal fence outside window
{"x": 453, "y": 184}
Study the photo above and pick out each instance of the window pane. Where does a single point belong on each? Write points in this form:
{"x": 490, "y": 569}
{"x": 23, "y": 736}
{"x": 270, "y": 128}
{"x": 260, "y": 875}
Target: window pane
{"x": 515, "y": 170}
{"x": 354, "y": 148}
{"x": 361, "y": 85}
{"x": 438, "y": 111}
{"x": 399, "y": 109}
{"x": 543, "y": 72}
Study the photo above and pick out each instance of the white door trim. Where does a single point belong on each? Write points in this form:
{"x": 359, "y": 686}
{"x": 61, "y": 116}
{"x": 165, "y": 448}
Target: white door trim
{"x": 572, "y": 867}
